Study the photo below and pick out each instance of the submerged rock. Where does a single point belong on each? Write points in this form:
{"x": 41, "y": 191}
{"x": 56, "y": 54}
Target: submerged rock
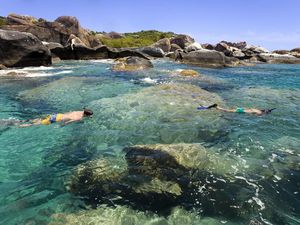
{"x": 123, "y": 215}
{"x": 159, "y": 177}
{"x": 98, "y": 178}
{"x": 191, "y": 73}
{"x": 132, "y": 63}
{"x": 162, "y": 113}
{"x": 171, "y": 161}
{"x": 19, "y": 49}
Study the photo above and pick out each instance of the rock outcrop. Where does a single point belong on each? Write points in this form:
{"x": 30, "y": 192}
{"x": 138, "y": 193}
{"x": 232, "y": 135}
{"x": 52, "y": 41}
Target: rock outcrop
{"x": 132, "y": 63}
{"x": 193, "y": 47}
{"x": 229, "y": 50}
{"x": 281, "y": 52}
{"x": 208, "y": 46}
{"x": 295, "y": 52}
{"x": 277, "y": 58}
{"x": 156, "y": 174}
{"x": 174, "y": 47}
{"x": 163, "y": 44}
{"x": 206, "y": 58}
{"x": 2, "y": 67}
{"x": 19, "y": 49}
{"x": 161, "y": 176}
{"x": 188, "y": 73}
{"x": 58, "y": 31}
{"x": 123, "y": 215}
{"x": 151, "y": 51}
{"x": 80, "y": 52}
{"x": 182, "y": 40}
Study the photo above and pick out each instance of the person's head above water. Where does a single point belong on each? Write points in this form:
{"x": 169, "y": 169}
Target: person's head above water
{"x": 267, "y": 111}
{"x": 87, "y": 112}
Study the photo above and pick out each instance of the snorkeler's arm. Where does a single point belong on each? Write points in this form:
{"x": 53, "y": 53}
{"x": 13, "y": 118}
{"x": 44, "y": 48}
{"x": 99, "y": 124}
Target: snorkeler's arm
{"x": 71, "y": 121}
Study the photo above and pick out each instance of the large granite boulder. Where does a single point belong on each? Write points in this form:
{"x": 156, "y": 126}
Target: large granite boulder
{"x": 114, "y": 53}
{"x": 163, "y": 44}
{"x": 20, "y": 19}
{"x": 170, "y": 162}
{"x": 281, "y": 52}
{"x": 177, "y": 119}
{"x": 208, "y": 46}
{"x": 223, "y": 47}
{"x": 99, "y": 179}
{"x": 132, "y": 63}
{"x": 182, "y": 40}
{"x": 114, "y": 35}
{"x": 206, "y": 58}
{"x": 175, "y": 47}
{"x": 52, "y": 45}
{"x": 229, "y": 51}
{"x": 73, "y": 40}
{"x": 2, "y": 67}
{"x": 295, "y": 52}
{"x": 124, "y": 215}
{"x": 157, "y": 177}
{"x": 151, "y": 51}
{"x": 277, "y": 58}
{"x": 193, "y": 47}
{"x": 58, "y": 31}
{"x": 80, "y": 52}
{"x": 19, "y": 49}
{"x": 251, "y": 51}
{"x": 240, "y": 45}
{"x": 188, "y": 73}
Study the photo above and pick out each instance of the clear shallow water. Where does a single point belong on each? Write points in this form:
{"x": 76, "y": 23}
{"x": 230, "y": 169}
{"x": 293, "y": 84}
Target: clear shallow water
{"x": 35, "y": 162}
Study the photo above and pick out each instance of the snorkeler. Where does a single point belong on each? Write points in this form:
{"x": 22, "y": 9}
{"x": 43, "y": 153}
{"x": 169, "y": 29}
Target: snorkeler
{"x": 258, "y": 112}
{"x": 65, "y": 118}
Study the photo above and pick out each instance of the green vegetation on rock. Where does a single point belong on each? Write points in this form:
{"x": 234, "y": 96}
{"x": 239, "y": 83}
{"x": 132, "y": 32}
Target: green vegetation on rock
{"x": 2, "y": 21}
{"x": 136, "y": 39}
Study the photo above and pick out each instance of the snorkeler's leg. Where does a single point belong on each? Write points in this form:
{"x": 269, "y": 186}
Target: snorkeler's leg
{"x": 33, "y": 122}
{"x": 225, "y": 110}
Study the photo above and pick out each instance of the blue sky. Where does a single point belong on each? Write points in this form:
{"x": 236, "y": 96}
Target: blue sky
{"x": 274, "y": 24}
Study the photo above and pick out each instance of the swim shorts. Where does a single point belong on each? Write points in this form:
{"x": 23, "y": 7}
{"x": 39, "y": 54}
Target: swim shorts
{"x": 52, "y": 119}
{"x": 240, "y": 110}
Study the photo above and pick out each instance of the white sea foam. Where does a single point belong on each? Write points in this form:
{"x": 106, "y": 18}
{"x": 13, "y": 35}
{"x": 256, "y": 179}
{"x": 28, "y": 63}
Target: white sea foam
{"x": 257, "y": 189}
{"x": 13, "y": 72}
{"x": 148, "y": 80}
{"x": 43, "y": 74}
{"x": 37, "y": 68}
{"x": 106, "y": 61}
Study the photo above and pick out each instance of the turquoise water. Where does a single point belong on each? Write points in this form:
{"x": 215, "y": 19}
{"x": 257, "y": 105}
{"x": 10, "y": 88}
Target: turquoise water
{"x": 132, "y": 108}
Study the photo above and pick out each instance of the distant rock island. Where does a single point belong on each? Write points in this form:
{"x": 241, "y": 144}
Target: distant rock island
{"x": 27, "y": 41}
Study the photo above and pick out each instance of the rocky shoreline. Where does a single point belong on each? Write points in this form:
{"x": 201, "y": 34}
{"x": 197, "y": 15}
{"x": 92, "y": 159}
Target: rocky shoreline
{"x": 27, "y": 41}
